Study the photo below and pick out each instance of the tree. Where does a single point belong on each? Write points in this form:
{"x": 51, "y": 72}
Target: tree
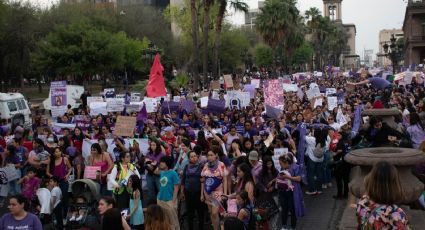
{"x": 238, "y": 5}
{"x": 195, "y": 51}
{"x": 263, "y": 55}
{"x": 206, "y": 27}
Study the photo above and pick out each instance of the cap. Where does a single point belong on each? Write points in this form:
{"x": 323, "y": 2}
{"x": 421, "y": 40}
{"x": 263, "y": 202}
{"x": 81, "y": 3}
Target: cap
{"x": 253, "y": 156}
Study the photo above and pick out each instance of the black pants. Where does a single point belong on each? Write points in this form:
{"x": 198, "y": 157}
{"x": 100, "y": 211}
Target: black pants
{"x": 122, "y": 200}
{"x": 57, "y": 212}
{"x": 138, "y": 227}
{"x": 193, "y": 203}
{"x": 286, "y": 200}
{"x": 342, "y": 177}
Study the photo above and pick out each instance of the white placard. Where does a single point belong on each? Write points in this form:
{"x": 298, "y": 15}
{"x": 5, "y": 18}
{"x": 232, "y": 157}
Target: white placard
{"x": 109, "y": 93}
{"x": 97, "y": 108}
{"x": 330, "y": 91}
{"x": 134, "y": 107}
{"x": 215, "y": 95}
{"x": 312, "y": 92}
{"x": 204, "y": 102}
{"x": 256, "y": 83}
{"x": 94, "y": 99}
{"x": 176, "y": 98}
{"x": 408, "y": 76}
{"x": 318, "y": 102}
{"x": 115, "y": 104}
{"x": 290, "y": 87}
{"x": 332, "y": 103}
{"x": 278, "y": 152}
{"x": 58, "y": 111}
{"x": 151, "y": 104}
{"x": 245, "y": 98}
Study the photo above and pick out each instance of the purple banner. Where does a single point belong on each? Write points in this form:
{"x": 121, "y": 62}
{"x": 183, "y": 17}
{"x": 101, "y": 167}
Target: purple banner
{"x": 250, "y": 89}
{"x": 273, "y": 93}
{"x": 58, "y": 93}
{"x": 215, "y": 106}
{"x": 187, "y": 105}
{"x": 169, "y": 106}
{"x": 82, "y": 122}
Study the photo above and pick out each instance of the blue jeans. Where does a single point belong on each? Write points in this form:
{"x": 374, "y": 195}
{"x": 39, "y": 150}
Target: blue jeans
{"x": 327, "y": 175}
{"x": 152, "y": 183}
{"x": 314, "y": 175}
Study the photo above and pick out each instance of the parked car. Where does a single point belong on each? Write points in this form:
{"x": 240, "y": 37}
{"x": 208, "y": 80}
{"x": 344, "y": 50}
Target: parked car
{"x": 15, "y": 110}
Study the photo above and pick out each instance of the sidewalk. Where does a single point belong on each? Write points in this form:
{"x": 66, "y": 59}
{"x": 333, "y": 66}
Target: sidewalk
{"x": 322, "y": 211}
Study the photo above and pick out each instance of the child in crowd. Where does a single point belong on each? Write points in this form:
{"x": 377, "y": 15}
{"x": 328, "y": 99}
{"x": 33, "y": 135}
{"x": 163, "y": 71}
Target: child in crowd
{"x": 286, "y": 191}
{"x": 55, "y": 201}
{"x": 30, "y": 183}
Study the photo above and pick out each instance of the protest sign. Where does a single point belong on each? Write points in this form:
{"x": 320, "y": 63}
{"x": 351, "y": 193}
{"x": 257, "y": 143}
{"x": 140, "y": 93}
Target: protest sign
{"x": 250, "y": 89}
{"x": 114, "y": 104}
{"x": 278, "y": 152}
{"x": 273, "y": 93}
{"x": 215, "y": 95}
{"x": 290, "y": 87}
{"x": 273, "y": 112}
{"x": 176, "y": 98}
{"x": 228, "y": 80}
{"x": 340, "y": 118}
{"x": 245, "y": 98}
{"x": 83, "y": 122}
{"x": 330, "y": 91}
{"x": 63, "y": 125}
{"x": 332, "y": 103}
{"x": 109, "y": 93}
{"x": 187, "y": 105}
{"x": 204, "y": 102}
{"x": 58, "y": 98}
{"x": 125, "y": 126}
{"x": 215, "y": 106}
{"x": 94, "y": 99}
{"x": 8, "y": 173}
{"x": 255, "y": 83}
{"x": 97, "y": 108}
{"x": 90, "y": 172}
{"x": 312, "y": 93}
{"x": 408, "y": 76}
{"x": 318, "y": 102}
{"x": 135, "y": 97}
{"x": 169, "y": 106}
{"x": 151, "y": 104}
{"x": 134, "y": 107}
{"x": 215, "y": 85}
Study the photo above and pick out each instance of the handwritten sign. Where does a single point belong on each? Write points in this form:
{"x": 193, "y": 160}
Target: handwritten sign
{"x": 330, "y": 91}
{"x": 290, "y": 87}
{"x": 204, "y": 102}
{"x": 215, "y": 85}
{"x": 115, "y": 104}
{"x": 97, "y": 108}
{"x": 318, "y": 102}
{"x": 125, "y": 126}
{"x": 312, "y": 93}
{"x": 58, "y": 98}
{"x": 94, "y": 99}
{"x": 90, "y": 172}
{"x": 273, "y": 93}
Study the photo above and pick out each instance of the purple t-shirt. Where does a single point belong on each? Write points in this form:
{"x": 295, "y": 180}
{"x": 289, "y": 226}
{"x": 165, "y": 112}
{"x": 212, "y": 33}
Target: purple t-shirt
{"x": 30, "y": 222}
{"x": 379, "y": 83}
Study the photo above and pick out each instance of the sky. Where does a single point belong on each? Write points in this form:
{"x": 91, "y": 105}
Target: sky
{"x": 369, "y": 16}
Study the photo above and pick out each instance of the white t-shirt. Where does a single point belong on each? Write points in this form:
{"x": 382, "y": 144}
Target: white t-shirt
{"x": 44, "y": 197}
{"x": 56, "y": 196}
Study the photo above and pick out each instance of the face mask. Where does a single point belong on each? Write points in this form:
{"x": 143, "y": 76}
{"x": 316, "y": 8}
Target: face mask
{"x": 30, "y": 137}
{"x": 50, "y": 140}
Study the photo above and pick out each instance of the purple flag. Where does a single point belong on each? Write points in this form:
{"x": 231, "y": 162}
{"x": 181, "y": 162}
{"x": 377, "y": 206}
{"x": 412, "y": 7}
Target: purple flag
{"x": 357, "y": 118}
{"x": 143, "y": 114}
{"x": 215, "y": 106}
{"x": 187, "y": 105}
{"x": 168, "y": 106}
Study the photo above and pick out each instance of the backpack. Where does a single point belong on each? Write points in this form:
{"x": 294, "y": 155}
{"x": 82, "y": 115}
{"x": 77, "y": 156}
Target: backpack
{"x": 334, "y": 141}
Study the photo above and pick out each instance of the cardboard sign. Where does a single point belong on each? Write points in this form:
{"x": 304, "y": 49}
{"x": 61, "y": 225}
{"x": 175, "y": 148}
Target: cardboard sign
{"x": 90, "y": 172}
{"x": 228, "y": 80}
{"x": 125, "y": 126}
{"x": 134, "y": 107}
{"x": 255, "y": 83}
{"x": 97, "y": 108}
{"x": 215, "y": 85}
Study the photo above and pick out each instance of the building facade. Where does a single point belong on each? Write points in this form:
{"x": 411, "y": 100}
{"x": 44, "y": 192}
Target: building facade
{"x": 384, "y": 38}
{"x": 414, "y": 32}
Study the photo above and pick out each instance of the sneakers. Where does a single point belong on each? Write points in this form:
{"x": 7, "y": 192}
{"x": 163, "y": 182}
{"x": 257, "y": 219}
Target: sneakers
{"x": 310, "y": 193}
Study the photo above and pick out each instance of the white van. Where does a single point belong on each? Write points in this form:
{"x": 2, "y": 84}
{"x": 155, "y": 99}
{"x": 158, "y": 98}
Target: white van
{"x": 15, "y": 110}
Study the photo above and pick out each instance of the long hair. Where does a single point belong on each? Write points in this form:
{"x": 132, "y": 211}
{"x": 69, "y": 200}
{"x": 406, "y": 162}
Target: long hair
{"x": 382, "y": 184}
{"x": 135, "y": 183}
{"x": 156, "y": 219}
{"x": 247, "y": 175}
{"x": 264, "y": 169}
{"x": 415, "y": 120}
{"x": 112, "y": 220}
{"x": 158, "y": 148}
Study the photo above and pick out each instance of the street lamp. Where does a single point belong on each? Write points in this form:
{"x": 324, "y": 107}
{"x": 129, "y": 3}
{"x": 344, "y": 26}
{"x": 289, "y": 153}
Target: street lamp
{"x": 393, "y": 51}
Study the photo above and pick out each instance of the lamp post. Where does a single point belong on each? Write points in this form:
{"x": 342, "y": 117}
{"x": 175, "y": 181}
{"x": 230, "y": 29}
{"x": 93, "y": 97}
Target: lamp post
{"x": 393, "y": 51}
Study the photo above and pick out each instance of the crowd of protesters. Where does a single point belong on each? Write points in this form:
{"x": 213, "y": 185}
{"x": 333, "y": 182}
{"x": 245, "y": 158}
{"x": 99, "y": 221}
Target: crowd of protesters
{"x": 222, "y": 167}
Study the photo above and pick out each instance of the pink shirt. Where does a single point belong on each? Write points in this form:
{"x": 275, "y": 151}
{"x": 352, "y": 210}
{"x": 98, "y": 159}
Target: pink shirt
{"x": 29, "y": 186}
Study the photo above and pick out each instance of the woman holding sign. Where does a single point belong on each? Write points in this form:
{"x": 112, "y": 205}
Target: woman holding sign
{"x": 103, "y": 160}
{"x": 214, "y": 177}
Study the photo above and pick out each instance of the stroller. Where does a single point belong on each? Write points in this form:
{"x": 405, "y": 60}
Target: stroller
{"x": 82, "y": 211}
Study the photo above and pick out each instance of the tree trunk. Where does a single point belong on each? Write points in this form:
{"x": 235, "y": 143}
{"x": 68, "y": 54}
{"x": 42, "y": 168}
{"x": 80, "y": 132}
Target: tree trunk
{"x": 207, "y": 4}
{"x": 217, "y": 39}
{"x": 195, "y": 50}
